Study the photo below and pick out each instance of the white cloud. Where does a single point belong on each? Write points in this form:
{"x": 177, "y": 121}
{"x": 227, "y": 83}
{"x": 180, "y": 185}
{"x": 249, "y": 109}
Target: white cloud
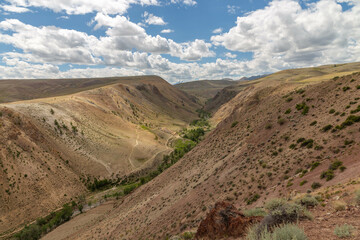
{"x": 217, "y": 30}
{"x": 186, "y": 2}
{"x": 49, "y": 44}
{"x": 230, "y": 55}
{"x": 285, "y": 35}
{"x": 63, "y": 17}
{"x": 12, "y": 8}
{"x": 152, "y": 19}
{"x": 167, "y": 31}
{"x": 232, "y": 9}
{"x": 125, "y": 35}
{"x": 83, "y": 6}
{"x": 86, "y": 6}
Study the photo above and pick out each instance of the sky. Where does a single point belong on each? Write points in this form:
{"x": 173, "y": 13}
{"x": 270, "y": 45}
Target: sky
{"x": 179, "y": 40}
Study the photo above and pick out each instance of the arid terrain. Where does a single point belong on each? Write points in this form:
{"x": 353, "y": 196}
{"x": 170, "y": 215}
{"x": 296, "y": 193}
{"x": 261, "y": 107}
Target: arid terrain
{"x": 275, "y": 137}
{"x": 50, "y": 146}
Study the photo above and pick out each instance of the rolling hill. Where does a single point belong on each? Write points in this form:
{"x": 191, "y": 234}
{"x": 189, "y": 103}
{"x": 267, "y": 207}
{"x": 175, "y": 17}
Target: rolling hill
{"x": 204, "y": 89}
{"x": 276, "y": 137}
{"x": 51, "y": 146}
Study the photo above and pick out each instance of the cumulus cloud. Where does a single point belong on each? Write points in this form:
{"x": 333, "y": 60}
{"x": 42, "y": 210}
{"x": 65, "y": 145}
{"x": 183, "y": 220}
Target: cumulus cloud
{"x": 167, "y": 31}
{"x": 284, "y": 34}
{"x": 125, "y": 35}
{"x": 15, "y": 9}
{"x": 86, "y": 6}
{"x": 49, "y": 44}
{"x": 152, "y": 19}
{"x": 186, "y": 2}
{"x": 230, "y": 55}
{"x": 217, "y": 30}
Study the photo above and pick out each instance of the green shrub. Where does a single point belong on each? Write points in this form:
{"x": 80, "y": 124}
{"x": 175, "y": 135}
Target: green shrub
{"x": 303, "y": 107}
{"x": 345, "y": 88}
{"x": 288, "y": 111}
{"x": 335, "y": 165}
{"x": 358, "y": 87}
{"x": 283, "y": 232}
{"x": 332, "y": 111}
{"x": 314, "y": 165}
{"x": 308, "y": 201}
{"x": 281, "y": 121}
{"x": 313, "y": 123}
{"x": 254, "y": 212}
{"x": 327, "y": 128}
{"x": 315, "y": 185}
{"x": 274, "y": 204}
{"x": 188, "y": 235}
{"x": 300, "y": 140}
{"x": 350, "y": 120}
{"x": 344, "y": 231}
{"x": 308, "y": 143}
{"x": 292, "y": 146}
{"x": 268, "y": 126}
{"x": 253, "y": 198}
{"x": 128, "y": 189}
{"x": 303, "y": 182}
{"x": 234, "y": 124}
{"x": 328, "y": 175}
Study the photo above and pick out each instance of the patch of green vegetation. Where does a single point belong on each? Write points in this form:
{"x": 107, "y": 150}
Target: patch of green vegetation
{"x": 344, "y": 231}
{"x": 332, "y": 111}
{"x": 52, "y": 111}
{"x": 253, "y": 198}
{"x": 308, "y": 201}
{"x": 345, "y": 88}
{"x": 255, "y": 212}
{"x": 193, "y": 134}
{"x": 44, "y": 225}
{"x": 282, "y": 232}
{"x": 288, "y": 111}
{"x": 145, "y": 127}
{"x": 313, "y": 123}
{"x": 350, "y": 120}
{"x": 303, "y": 182}
{"x": 355, "y": 110}
{"x": 315, "y": 185}
{"x": 268, "y": 126}
{"x": 302, "y": 106}
{"x": 327, "y": 128}
{"x": 328, "y": 175}
{"x": 307, "y": 143}
{"x": 234, "y": 124}
{"x": 281, "y": 121}
{"x": 289, "y": 99}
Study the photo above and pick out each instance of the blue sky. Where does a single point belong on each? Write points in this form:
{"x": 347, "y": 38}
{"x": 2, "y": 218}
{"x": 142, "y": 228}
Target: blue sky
{"x": 180, "y": 40}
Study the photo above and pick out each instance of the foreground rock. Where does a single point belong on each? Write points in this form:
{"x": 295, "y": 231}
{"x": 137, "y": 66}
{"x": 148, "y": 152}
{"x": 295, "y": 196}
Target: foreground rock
{"x": 224, "y": 220}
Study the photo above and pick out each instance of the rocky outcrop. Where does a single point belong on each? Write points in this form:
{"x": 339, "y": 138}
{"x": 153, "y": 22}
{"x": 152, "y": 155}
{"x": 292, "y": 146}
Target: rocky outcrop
{"x": 224, "y": 220}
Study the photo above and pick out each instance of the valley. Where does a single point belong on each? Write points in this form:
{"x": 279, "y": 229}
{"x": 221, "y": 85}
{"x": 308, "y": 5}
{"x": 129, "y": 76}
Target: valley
{"x": 281, "y": 136}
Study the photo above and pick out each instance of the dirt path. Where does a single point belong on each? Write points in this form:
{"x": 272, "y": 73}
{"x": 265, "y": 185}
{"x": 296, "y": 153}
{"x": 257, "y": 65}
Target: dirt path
{"x": 133, "y": 148}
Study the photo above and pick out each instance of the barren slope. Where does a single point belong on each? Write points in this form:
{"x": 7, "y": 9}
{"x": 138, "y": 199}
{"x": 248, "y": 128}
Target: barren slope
{"x": 49, "y": 146}
{"x": 247, "y": 159}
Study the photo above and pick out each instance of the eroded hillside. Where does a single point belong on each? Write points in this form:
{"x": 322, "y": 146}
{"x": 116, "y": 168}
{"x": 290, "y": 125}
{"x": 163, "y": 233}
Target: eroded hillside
{"x": 277, "y": 141}
{"x": 51, "y": 146}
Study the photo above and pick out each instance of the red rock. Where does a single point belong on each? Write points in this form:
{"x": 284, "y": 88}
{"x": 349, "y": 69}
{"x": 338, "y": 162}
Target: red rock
{"x": 224, "y": 220}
